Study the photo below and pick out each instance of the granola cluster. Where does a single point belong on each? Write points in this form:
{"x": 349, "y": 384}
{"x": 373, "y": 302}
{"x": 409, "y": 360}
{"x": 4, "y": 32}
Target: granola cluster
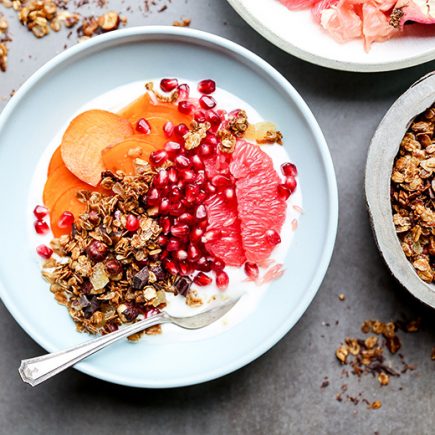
{"x": 4, "y": 39}
{"x": 104, "y": 274}
{"x": 413, "y": 194}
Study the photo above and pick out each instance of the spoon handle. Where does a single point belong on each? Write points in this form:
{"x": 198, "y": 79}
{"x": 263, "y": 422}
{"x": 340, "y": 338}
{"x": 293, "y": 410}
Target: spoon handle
{"x": 39, "y": 369}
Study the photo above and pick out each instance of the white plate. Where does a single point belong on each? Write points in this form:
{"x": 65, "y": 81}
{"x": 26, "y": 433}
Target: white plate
{"x": 296, "y": 33}
{"x": 50, "y": 98}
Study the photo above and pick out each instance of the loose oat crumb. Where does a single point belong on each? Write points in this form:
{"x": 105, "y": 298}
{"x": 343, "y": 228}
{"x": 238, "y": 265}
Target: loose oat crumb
{"x": 377, "y": 404}
{"x": 342, "y": 297}
{"x": 185, "y": 22}
{"x": 192, "y": 299}
{"x": 383, "y": 379}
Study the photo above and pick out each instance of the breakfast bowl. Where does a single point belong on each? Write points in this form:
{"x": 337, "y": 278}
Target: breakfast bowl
{"x": 102, "y": 75}
{"x": 384, "y": 172}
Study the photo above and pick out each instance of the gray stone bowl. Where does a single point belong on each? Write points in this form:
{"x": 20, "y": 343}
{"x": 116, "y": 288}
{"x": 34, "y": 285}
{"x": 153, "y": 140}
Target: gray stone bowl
{"x": 383, "y": 149}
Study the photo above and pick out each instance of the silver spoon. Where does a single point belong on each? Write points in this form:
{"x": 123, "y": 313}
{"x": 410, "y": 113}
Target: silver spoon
{"x": 39, "y": 369}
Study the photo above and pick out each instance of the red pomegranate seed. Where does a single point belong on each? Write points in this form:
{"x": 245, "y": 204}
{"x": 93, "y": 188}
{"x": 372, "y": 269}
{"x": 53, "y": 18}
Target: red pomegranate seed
{"x": 41, "y": 227}
{"x": 185, "y": 107}
{"x": 220, "y": 181}
{"x": 210, "y": 188}
{"x": 164, "y": 206}
{"x": 183, "y": 91}
{"x": 181, "y": 130}
{"x": 181, "y": 230}
{"x": 193, "y": 252}
{"x": 202, "y": 279}
{"x": 175, "y": 194}
{"x": 159, "y": 157}
{"x": 186, "y": 218}
{"x": 181, "y": 255}
{"x": 222, "y": 280}
{"x": 170, "y": 266}
{"x": 197, "y": 163}
{"x": 203, "y": 225}
{"x": 143, "y": 126}
{"x": 251, "y": 270}
{"x": 283, "y": 191}
{"x": 201, "y": 197}
{"x": 161, "y": 179}
{"x": 205, "y": 149}
{"x": 165, "y": 224}
{"x": 172, "y": 148}
{"x": 153, "y": 197}
{"x": 44, "y": 251}
{"x": 172, "y": 175}
{"x": 211, "y": 139}
{"x": 132, "y": 223}
{"x": 40, "y": 212}
{"x": 191, "y": 192}
{"x": 200, "y": 177}
{"x": 184, "y": 268}
{"x": 207, "y": 102}
{"x": 272, "y": 237}
{"x": 229, "y": 193}
{"x": 162, "y": 240}
{"x": 207, "y": 86}
{"x": 211, "y": 236}
{"x": 176, "y": 209}
{"x": 168, "y": 85}
{"x": 199, "y": 116}
{"x": 168, "y": 128}
{"x": 66, "y": 220}
{"x": 201, "y": 212}
{"x": 173, "y": 245}
{"x": 188, "y": 175}
{"x": 218, "y": 265}
{"x": 290, "y": 183}
{"x": 196, "y": 234}
{"x": 204, "y": 264}
{"x": 213, "y": 118}
{"x": 289, "y": 169}
{"x": 182, "y": 161}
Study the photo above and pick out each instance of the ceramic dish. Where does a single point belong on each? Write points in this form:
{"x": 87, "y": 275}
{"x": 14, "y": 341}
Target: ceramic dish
{"x": 51, "y": 97}
{"x": 296, "y": 33}
{"x": 383, "y": 150}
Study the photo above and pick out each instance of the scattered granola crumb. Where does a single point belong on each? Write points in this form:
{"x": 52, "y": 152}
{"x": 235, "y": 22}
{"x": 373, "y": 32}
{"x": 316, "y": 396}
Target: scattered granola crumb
{"x": 185, "y": 22}
{"x": 341, "y": 297}
{"x": 325, "y": 383}
{"x": 192, "y": 299}
{"x": 377, "y": 404}
{"x": 383, "y": 379}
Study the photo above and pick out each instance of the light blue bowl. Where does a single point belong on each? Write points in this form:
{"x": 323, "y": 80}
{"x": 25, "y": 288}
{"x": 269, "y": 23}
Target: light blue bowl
{"x": 47, "y": 100}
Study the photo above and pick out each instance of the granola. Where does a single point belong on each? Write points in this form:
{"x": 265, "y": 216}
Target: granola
{"x": 413, "y": 194}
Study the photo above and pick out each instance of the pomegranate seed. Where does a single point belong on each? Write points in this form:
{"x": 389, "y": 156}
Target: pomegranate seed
{"x": 222, "y": 280}
{"x": 185, "y": 107}
{"x": 168, "y": 128}
{"x": 181, "y": 255}
{"x": 229, "y": 193}
{"x": 272, "y": 237}
{"x": 220, "y": 181}
{"x": 200, "y": 177}
{"x": 168, "y": 85}
{"x": 201, "y": 212}
{"x": 283, "y": 191}
{"x": 153, "y": 197}
{"x": 165, "y": 224}
{"x": 199, "y": 116}
{"x": 203, "y": 225}
{"x": 164, "y": 206}
{"x": 197, "y": 163}
{"x": 193, "y": 252}
{"x": 66, "y": 220}
{"x": 181, "y": 230}
{"x": 173, "y": 245}
{"x": 172, "y": 148}
{"x": 202, "y": 279}
{"x": 158, "y": 157}
{"x": 183, "y": 91}
{"x": 44, "y": 251}
{"x": 188, "y": 175}
{"x": 210, "y": 188}
{"x": 181, "y": 130}
{"x": 204, "y": 264}
{"x": 182, "y": 161}
{"x": 290, "y": 183}
{"x": 143, "y": 126}
{"x": 175, "y": 194}
{"x": 191, "y": 192}
{"x": 170, "y": 266}
{"x": 213, "y": 118}
{"x": 132, "y": 223}
{"x": 162, "y": 240}
{"x": 184, "y": 268}
{"x": 176, "y": 209}
{"x": 218, "y": 265}
{"x": 41, "y": 227}
{"x": 163, "y": 255}
{"x": 172, "y": 175}
{"x": 40, "y": 212}
{"x": 201, "y": 197}
{"x": 161, "y": 179}
{"x": 211, "y": 236}
{"x": 289, "y": 169}
{"x": 186, "y": 218}
{"x": 196, "y": 234}
{"x": 211, "y": 139}
{"x": 207, "y": 86}
{"x": 207, "y": 102}
{"x": 251, "y": 270}
{"x": 205, "y": 149}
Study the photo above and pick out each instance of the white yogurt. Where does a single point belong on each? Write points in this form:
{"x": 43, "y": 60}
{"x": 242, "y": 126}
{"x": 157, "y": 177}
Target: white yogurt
{"x": 113, "y": 101}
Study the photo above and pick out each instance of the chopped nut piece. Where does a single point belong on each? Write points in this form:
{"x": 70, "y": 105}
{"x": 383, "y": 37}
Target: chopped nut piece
{"x": 341, "y": 297}
{"x": 194, "y": 137}
{"x": 192, "y": 299}
{"x": 383, "y": 379}
{"x": 109, "y": 21}
{"x": 341, "y": 353}
{"x": 185, "y": 22}
{"x": 376, "y": 404}
{"x": 266, "y": 132}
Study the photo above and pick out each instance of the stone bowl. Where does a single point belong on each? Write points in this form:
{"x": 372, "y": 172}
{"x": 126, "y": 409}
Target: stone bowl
{"x": 382, "y": 152}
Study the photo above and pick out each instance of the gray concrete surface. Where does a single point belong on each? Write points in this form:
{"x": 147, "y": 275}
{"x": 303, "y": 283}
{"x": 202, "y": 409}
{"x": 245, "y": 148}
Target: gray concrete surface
{"x": 280, "y": 392}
